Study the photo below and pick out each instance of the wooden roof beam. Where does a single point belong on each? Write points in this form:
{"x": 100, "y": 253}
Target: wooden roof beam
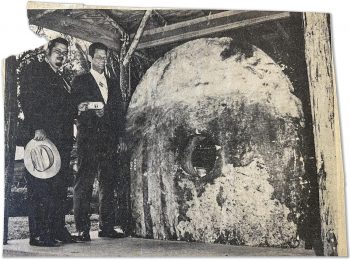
{"x": 42, "y": 14}
{"x": 112, "y": 22}
{"x": 79, "y": 29}
{"x": 197, "y": 21}
{"x": 159, "y": 18}
{"x": 205, "y": 26}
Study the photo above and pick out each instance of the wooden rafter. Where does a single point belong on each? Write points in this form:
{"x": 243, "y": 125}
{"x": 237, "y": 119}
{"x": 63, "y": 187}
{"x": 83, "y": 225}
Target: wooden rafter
{"x": 159, "y": 18}
{"x": 42, "y": 14}
{"x": 193, "y": 22}
{"x": 78, "y": 28}
{"x": 137, "y": 37}
{"x": 204, "y": 26}
{"x": 112, "y": 22}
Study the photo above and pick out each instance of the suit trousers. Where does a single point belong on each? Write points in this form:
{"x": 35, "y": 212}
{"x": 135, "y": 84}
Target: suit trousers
{"x": 47, "y": 198}
{"x": 104, "y": 166}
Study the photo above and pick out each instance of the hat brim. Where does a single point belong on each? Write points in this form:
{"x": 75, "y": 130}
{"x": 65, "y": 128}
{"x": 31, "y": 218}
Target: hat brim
{"x": 52, "y": 170}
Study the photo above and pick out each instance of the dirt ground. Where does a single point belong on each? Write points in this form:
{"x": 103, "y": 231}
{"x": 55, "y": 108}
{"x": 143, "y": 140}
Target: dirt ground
{"x": 18, "y": 226}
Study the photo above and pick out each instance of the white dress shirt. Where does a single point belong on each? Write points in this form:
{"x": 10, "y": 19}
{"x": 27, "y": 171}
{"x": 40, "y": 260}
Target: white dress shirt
{"x": 101, "y": 81}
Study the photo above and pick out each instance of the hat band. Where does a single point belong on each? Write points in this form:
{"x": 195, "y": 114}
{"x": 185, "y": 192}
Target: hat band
{"x": 42, "y": 158}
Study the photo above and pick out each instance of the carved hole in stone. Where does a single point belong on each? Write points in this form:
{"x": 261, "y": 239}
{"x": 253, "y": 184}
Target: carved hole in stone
{"x": 199, "y": 156}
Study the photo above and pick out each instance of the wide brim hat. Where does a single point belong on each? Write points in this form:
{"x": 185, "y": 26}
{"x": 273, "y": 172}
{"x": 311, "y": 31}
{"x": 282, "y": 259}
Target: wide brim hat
{"x": 42, "y": 159}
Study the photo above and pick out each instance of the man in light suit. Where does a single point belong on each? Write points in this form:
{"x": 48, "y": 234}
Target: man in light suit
{"x": 99, "y": 141}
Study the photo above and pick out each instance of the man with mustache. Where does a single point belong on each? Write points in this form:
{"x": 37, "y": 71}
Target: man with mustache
{"x": 99, "y": 141}
{"x": 49, "y": 113}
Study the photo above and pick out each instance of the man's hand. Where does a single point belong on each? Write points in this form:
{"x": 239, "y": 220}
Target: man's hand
{"x": 40, "y": 135}
{"x": 100, "y": 113}
{"x": 122, "y": 146}
{"x": 83, "y": 106}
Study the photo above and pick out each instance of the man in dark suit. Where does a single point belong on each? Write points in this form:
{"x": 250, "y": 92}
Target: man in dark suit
{"x": 49, "y": 113}
{"x": 99, "y": 139}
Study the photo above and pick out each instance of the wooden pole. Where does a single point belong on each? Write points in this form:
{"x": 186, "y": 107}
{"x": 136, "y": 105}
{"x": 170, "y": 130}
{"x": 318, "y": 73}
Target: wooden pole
{"x": 123, "y": 199}
{"x": 137, "y": 37}
{"x": 324, "y": 109}
{"x": 123, "y": 71}
{"x": 10, "y": 133}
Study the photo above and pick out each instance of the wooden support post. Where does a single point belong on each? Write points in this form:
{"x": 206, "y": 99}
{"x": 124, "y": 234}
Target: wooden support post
{"x": 324, "y": 108}
{"x": 10, "y": 133}
{"x": 137, "y": 37}
{"x": 123, "y": 199}
{"x": 124, "y": 74}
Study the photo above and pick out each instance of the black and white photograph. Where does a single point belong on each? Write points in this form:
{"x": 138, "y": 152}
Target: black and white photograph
{"x": 153, "y": 132}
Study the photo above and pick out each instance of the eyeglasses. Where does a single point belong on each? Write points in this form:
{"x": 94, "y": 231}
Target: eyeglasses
{"x": 100, "y": 58}
{"x": 58, "y": 52}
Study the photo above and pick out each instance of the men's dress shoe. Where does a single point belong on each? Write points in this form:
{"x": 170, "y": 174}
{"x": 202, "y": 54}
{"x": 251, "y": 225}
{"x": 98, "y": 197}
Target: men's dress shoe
{"x": 110, "y": 234}
{"x": 127, "y": 232}
{"x": 42, "y": 243}
{"x": 83, "y": 236}
{"x": 65, "y": 237}
{"x": 68, "y": 240}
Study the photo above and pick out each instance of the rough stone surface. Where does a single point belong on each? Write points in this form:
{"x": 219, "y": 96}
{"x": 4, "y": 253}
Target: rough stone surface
{"x": 240, "y": 100}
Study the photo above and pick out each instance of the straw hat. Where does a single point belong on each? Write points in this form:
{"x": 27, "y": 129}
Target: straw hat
{"x": 42, "y": 159}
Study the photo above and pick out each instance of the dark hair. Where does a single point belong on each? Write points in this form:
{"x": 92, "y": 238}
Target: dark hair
{"x": 94, "y": 46}
{"x": 53, "y": 42}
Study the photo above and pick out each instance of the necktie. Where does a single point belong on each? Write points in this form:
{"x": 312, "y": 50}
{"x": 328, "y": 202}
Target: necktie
{"x": 66, "y": 85}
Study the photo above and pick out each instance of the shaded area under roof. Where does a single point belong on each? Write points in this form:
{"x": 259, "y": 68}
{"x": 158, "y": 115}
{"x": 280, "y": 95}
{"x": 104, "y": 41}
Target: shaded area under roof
{"x": 165, "y": 26}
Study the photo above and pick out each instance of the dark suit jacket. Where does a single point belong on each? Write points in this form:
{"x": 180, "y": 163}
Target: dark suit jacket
{"x": 46, "y": 104}
{"x": 94, "y": 133}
